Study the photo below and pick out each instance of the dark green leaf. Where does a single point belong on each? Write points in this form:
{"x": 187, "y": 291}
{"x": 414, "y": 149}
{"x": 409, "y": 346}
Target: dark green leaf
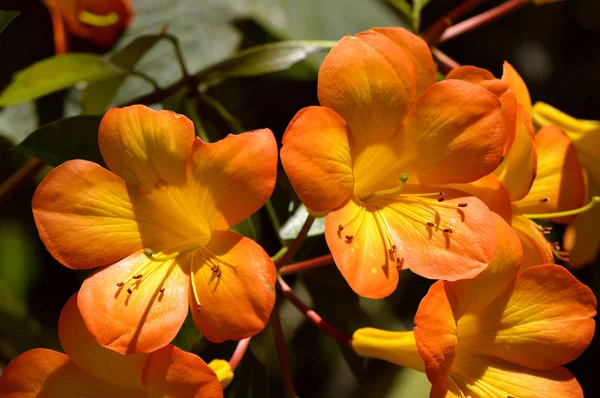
{"x": 247, "y": 228}
{"x": 71, "y": 138}
{"x": 54, "y": 74}
{"x": 263, "y": 59}
{"x": 97, "y": 96}
{"x": 6, "y": 17}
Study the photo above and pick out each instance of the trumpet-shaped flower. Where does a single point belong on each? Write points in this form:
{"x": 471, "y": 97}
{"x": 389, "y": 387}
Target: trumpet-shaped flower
{"x": 99, "y": 21}
{"x": 89, "y": 370}
{"x": 581, "y": 236}
{"x": 373, "y": 153}
{"x": 500, "y": 334}
{"x": 539, "y": 175}
{"x": 157, "y": 226}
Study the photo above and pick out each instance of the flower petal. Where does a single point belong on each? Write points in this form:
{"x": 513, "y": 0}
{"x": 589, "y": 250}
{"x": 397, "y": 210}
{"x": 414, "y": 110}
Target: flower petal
{"x": 171, "y": 372}
{"x": 395, "y": 347}
{"x": 455, "y": 132}
{"x": 583, "y": 133}
{"x": 559, "y": 184}
{"x": 499, "y": 88}
{"x": 581, "y": 238}
{"x": 316, "y": 158}
{"x": 370, "y": 82}
{"x": 113, "y": 368}
{"x": 495, "y": 378}
{"x": 490, "y": 191}
{"x": 418, "y": 51}
{"x": 232, "y": 178}
{"x": 85, "y": 217}
{"x": 363, "y": 259}
{"x": 545, "y": 301}
{"x": 42, "y": 373}
{"x": 145, "y": 320}
{"x": 516, "y": 83}
{"x": 536, "y": 248}
{"x": 235, "y": 285}
{"x": 474, "y": 295}
{"x": 146, "y": 148}
{"x": 519, "y": 167}
{"x": 436, "y": 331}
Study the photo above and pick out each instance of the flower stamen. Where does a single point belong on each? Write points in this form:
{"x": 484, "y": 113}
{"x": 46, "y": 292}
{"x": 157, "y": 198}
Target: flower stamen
{"x": 595, "y": 200}
{"x": 403, "y": 178}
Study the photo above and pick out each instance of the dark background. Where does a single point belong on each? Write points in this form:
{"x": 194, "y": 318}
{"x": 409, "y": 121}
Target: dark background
{"x": 556, "y": 48}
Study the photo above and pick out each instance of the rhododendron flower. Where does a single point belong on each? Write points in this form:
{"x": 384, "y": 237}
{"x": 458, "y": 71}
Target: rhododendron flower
{"x": 89, "y": 370}
{"x": 581, "y": 236}
{"x": 500, "y": 334}
{"x": 100, "y": 21}
{"x": 540, "y": 174}
{"x": 157, "y": 225}
{"x": 384, "y": 136}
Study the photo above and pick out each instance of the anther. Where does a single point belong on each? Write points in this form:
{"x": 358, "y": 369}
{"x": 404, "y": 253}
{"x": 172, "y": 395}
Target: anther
{"x": 120, "y": 284}
{"x": 463, "y": 204}
{"x": 138, "y": 276}
{"x": 441, "y": 199}
{"x": 442, "y": 194}
{"x": 162, "y": 290}
{"x": 198, "y": 308}
{"x": 544, "y": 200}
{"x": 129, "y": 290}
{"x": 430, "y": 224}
{"x": 349, "y": 237}
{"x": 340, "y": 227}
{"x": 448, "y": 230}
{"x": 394, "y": 248}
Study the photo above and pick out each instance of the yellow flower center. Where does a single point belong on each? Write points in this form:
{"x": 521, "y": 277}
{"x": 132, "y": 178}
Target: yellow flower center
{"x": 349, "y": 230}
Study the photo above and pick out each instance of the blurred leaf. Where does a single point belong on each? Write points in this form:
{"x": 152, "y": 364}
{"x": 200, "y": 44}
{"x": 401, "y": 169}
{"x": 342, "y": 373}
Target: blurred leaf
{"x": 54, "y": 74}
{"x": 418, "y": 6}
{"x": 6, "y": 17}
{"x": 263, "y": 59}
{"x": 71, "y": 138}
{"x": 204, "y": 32}
{"x": 16, "y": 122}
{"x": 251, "y": 380}
{"x": 403, "y": 7}
{"x": 293, "y": 225}
{"x": 247, "y": 228}
{"x": 19, "y": 264}
{"x": 322, "y": 20}
{"x": 231, "y": 121}
{"x": 188, "y": 335}
{"x": 97, "y": 96}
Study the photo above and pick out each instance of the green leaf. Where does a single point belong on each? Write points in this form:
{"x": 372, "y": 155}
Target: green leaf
{"x": 54, "y": 74}
{"x": 247, "y": 228}
{"x": 293, "y": 225}
{"x": 263, "y": 59}
{"x": 403, "y": 7}
{"x": 418, "y": 6}
{"x": 322, "y": 20}
{"x": 6, "y": 17}
{"x": 97, "y": 96}
{"x": 71, "y": 138}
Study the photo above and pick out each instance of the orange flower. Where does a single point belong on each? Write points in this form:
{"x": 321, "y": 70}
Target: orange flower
{"x": 581, "y": 236}
{"x": 500, "y": 334}
{"x": 539, "y": 175}
{"x": 383, "y": 119}
{"x": 93, "y": 371}
{"x": 100, "y": 21}
{"x": 158, "y": 228}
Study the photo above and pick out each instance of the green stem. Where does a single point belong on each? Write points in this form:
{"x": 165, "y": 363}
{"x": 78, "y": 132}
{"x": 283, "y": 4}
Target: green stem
{"x": 147, "y": 78}
{"x": 173, "y": 40}
{"x": 190, "y": 108}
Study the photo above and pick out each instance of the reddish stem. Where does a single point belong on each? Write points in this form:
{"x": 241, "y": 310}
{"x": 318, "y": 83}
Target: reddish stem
{"x": 312, "y": 315}
{"x": 239, "y": 352}
{"x": 286, "y": 372}
{"x": 432, "y": 34}
{"x": 296, "y": 243}
{"x": 481, "y": 19}
{"x": 19, "y": 177}
{"x": 304, "y": 265}
{"x": 445, "y": 63}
